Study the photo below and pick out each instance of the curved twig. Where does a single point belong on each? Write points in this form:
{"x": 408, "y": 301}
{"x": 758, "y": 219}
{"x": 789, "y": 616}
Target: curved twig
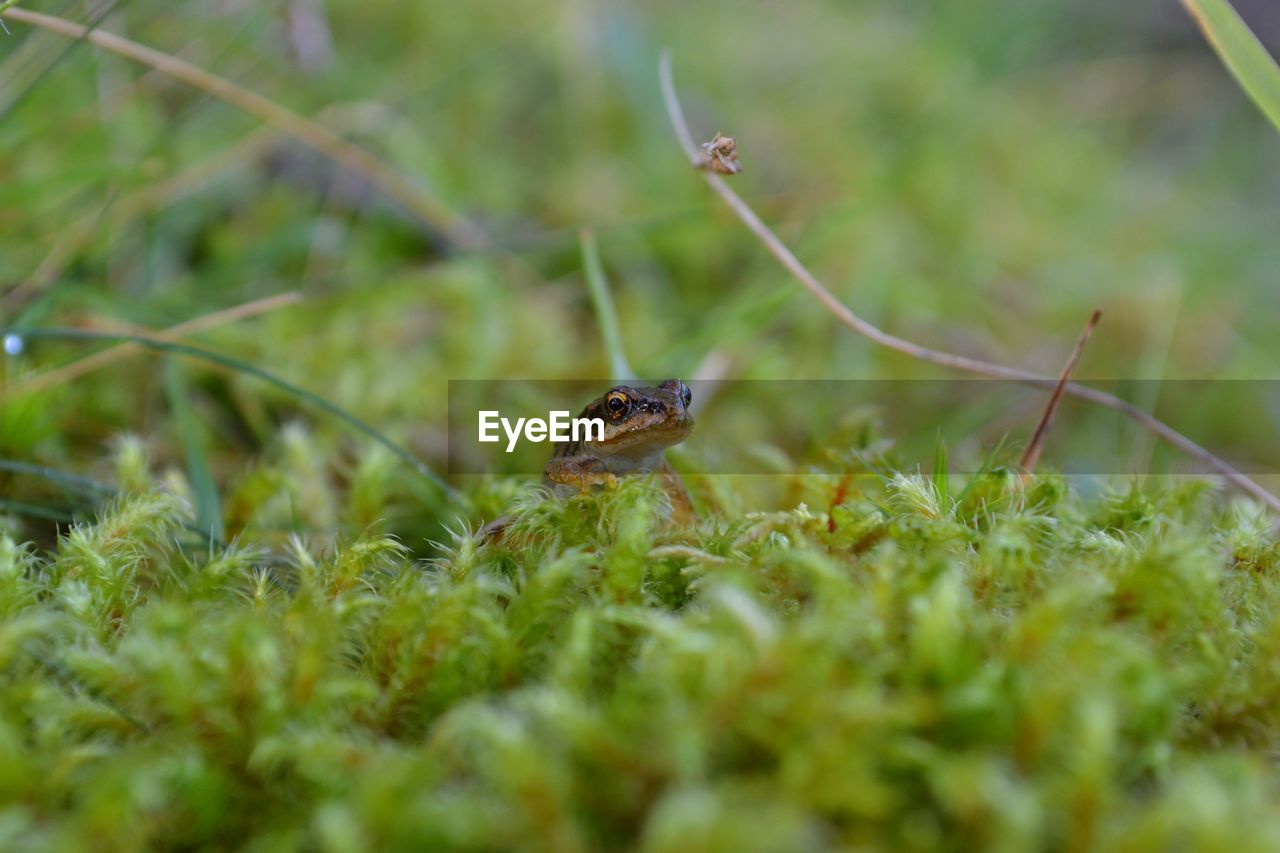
{"x": 873, "y": 333}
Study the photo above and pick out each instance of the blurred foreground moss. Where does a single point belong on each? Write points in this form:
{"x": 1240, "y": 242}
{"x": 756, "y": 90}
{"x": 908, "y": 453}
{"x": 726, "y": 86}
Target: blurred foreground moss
{"x": 1014, "y": 668}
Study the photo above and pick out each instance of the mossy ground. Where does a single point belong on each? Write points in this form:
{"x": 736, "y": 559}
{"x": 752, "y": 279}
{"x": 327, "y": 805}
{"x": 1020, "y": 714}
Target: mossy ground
{"x": 275, "y": 636}
{"x": 1010, "y": 667}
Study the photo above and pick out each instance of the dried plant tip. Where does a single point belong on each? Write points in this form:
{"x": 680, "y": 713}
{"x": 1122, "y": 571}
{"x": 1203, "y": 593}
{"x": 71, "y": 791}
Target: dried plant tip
{"x": 720, "y": 155}
{"x": 1032, "y": 454}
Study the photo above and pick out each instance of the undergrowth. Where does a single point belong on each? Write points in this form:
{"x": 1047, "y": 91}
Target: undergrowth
{"x": 266, "y": 652}
{"x": 1000, "y": 667}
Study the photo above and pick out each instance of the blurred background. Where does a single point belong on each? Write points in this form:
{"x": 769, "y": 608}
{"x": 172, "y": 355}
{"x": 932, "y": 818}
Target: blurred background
{"x": 973, "y": 176}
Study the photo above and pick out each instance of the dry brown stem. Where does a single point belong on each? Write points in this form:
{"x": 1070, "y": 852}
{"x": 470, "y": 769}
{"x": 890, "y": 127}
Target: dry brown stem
{"x": 909, "y": 348}
{"x": 1031, "y": 455}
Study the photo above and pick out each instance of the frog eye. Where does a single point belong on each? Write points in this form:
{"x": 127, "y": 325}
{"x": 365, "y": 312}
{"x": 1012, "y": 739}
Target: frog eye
{"x": 686, "y": 396}
{"x": 617, "y": 403}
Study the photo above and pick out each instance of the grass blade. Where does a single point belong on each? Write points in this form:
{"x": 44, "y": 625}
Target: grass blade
{"x": 93, "y": 491}
{"x": 245, "y": 367}
{"x": 1242, "y": 53}
{"x": 68, "y": 481}
{"x": 602, "y": 301}
{"x": 190, "y": 432}
{"x": 34, "y": 511}
{"x": 105, "y": 357}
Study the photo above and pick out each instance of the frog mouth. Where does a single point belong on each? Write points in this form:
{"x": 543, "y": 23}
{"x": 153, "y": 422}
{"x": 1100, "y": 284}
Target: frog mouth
{"x": 642, "y": 438}
{"x": 676, "y": 431}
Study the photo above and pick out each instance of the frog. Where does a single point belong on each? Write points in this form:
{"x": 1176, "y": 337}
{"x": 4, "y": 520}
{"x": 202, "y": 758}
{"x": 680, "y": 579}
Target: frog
{"x": 640, "y": 422}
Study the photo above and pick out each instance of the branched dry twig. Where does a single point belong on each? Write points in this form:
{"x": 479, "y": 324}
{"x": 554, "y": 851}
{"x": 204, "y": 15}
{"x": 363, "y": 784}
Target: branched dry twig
{"x": 1031, "y": 455}
{"x": 945, "y": 359}
{"x": 456, "y": 228}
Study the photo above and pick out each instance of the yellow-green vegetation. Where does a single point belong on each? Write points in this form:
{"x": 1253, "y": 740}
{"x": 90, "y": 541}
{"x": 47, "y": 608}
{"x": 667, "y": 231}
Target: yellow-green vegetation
{"x": 1003, "y": 668}
{"x": 241, "y": 605}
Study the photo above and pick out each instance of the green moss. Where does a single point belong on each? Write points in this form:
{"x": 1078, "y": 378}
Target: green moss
{"x": 1089, "y": 673}
{"x": 828, "y": 659}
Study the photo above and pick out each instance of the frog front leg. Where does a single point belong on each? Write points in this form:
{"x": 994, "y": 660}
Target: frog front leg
{"x": 581, "y": 471}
